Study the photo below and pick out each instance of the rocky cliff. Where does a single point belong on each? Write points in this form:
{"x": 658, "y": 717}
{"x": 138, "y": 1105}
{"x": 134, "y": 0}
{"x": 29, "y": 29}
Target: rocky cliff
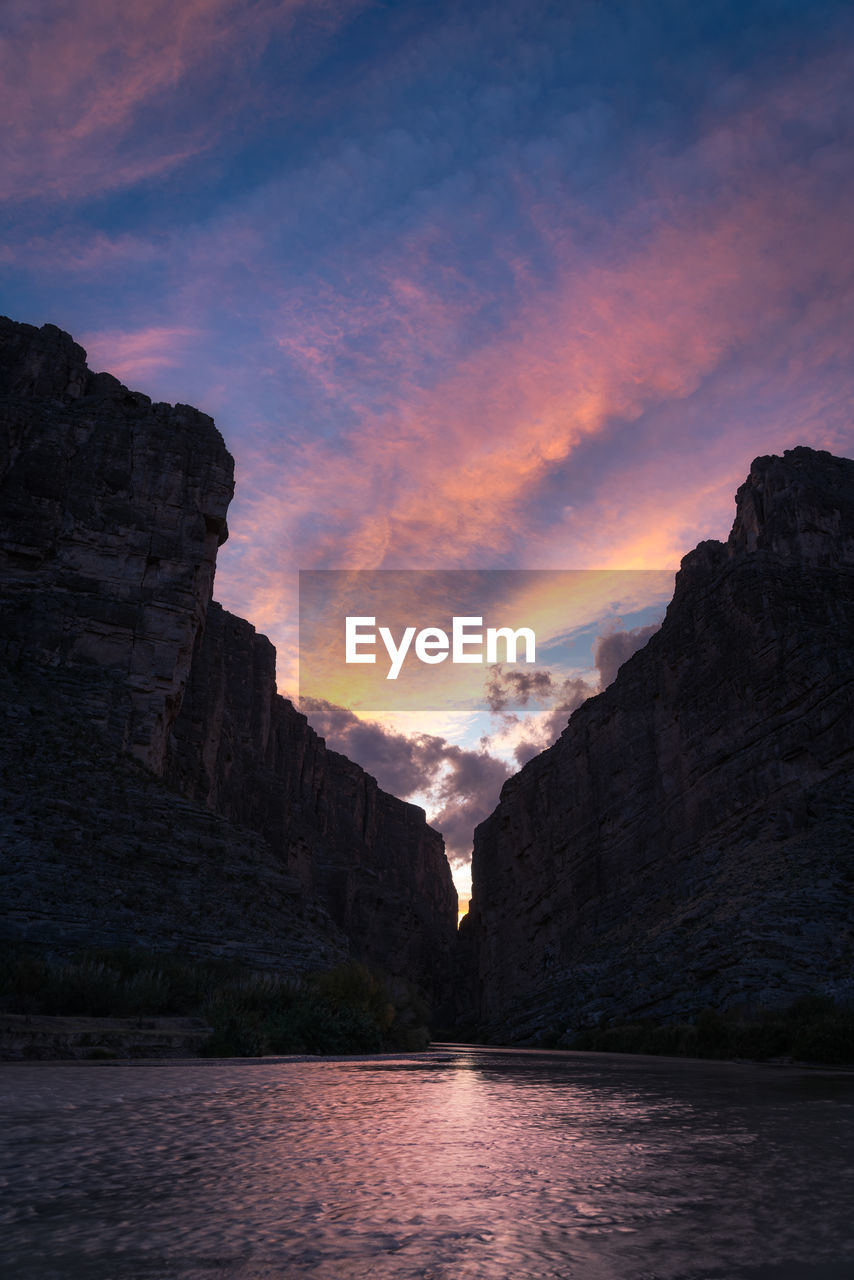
{"x": 689, "y": 840}
{"x": 156, "y": 788}
{"x": 111, "y": 512}
{"x": 239, "y": 748}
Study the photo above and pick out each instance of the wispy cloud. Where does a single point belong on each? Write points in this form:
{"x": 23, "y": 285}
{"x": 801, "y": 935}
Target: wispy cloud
{"x": 459, "y": 784}
{"x": 492, "y": 303}
{"x": 96, "y": 95}
{"x": 133, "y": 357}
{"x": 463, "y": 424}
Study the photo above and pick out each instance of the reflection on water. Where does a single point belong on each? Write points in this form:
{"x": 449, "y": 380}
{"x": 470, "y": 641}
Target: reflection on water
{"x": 456, "y": 1165}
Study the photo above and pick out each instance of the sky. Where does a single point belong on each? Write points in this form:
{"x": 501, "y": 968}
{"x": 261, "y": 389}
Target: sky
{"x": 480, "y": 286}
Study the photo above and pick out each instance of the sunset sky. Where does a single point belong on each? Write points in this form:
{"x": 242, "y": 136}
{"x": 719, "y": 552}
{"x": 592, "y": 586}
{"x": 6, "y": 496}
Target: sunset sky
{"x": 487, "y": 285}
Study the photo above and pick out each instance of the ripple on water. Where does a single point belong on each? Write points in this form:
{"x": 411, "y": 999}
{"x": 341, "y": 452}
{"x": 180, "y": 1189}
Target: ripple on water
{"x": 471, "y": 1166}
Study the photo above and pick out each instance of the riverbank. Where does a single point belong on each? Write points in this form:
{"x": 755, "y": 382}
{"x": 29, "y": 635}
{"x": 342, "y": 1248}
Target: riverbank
{"x": 47, "y": 1040}
{"x": 123, "y": 1003}
{"x": 40, "y": 1037}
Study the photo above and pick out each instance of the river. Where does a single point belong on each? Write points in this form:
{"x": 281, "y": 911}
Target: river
{"x": 458, "y": 1164}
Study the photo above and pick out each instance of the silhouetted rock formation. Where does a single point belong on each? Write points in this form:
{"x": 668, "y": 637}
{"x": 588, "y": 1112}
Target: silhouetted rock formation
{"x": 241, "y": 749}
{"x": 276, "y": 851}
{"x": 689, "y": 839}
{"x": 112, "y": 511}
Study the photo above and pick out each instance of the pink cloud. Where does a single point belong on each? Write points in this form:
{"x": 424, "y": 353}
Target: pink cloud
{"x": 411, "y": 314}
{"x": 131, "y": 357}
{"x": 78, "y": 75}
{"x": 80, "y": 253}
{"x": 448, "y": 469}
{"x": 447, "y": 472}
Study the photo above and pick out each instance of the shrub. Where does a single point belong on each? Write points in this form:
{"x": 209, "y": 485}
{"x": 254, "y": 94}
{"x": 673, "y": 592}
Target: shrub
{"x": 813, "y": 1028}
{"x": 348, "y": 1009}
{"x": 828, "y": 1038}
{"x": 236, "y": 1036}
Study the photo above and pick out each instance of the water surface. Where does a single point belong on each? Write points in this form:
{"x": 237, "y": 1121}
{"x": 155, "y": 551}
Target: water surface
{"x": 453, "y": 1165}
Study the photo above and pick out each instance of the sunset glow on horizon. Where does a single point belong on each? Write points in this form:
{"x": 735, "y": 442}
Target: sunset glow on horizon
{"x": 491, "y": 286}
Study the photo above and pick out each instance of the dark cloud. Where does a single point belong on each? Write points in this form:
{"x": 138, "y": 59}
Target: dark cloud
{"x": 465, "y": 783}
{"x": 526, "y": 751}
{"x": 516, "y": 688}
{"x": 571, "y": 694}
{"x": 507, "y": 689}
{"x": 468, "y": 791}
{"x": 568, "y": 696}
{"x": 611, "y": 651}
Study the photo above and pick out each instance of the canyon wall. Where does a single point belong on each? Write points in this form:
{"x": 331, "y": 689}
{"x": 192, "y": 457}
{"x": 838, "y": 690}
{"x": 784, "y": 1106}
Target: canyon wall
{"x": 111, "y": 512}
{"x": 157, "y": 790}
{"x": 689, "y": 839}
{"x": 239, "y": 748}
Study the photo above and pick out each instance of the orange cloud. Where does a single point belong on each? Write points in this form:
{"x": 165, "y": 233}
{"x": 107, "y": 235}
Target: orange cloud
{"x": 436, "y": 479}
{"x": 449, "y": 475}
{"x": 453, "y": 430}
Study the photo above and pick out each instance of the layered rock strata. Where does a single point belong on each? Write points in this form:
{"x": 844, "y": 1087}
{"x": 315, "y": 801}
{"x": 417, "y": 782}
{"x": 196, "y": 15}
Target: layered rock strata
{"x": 96, "y": 852}
{"x": 689, "y": 839}
{"x": 157, "y": 789}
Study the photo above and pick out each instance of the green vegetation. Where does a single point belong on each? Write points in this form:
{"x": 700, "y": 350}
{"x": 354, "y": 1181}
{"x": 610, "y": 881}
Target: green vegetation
{"x": 107, "y": 984}
{"x": 812, "y": 1029}
{"x": 348, "y": 1009}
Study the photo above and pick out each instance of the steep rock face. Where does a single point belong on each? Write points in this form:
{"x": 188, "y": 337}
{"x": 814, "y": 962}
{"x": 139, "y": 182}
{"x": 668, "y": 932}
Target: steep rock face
{"x": 389, "y": 884}
{"x": 111, "y": 512}
{"x": 258, "y": 843}
{"x": 689, "y": 840}
{"x": 241, "y": 749}
{"x": 96, "y": 851}
{"x": 800, "y": 506}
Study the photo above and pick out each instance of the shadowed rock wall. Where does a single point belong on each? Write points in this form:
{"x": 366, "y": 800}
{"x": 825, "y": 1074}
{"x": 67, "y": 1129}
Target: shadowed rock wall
{"x": 689, "y": 840}
{"x": 241, "y": 749}
{"x": 111, "y": 513}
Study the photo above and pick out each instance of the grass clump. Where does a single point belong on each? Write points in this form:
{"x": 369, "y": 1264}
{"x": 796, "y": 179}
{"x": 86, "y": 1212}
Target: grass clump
{"x": 117, "y": 983}
{"x": 348, "y": 1009}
